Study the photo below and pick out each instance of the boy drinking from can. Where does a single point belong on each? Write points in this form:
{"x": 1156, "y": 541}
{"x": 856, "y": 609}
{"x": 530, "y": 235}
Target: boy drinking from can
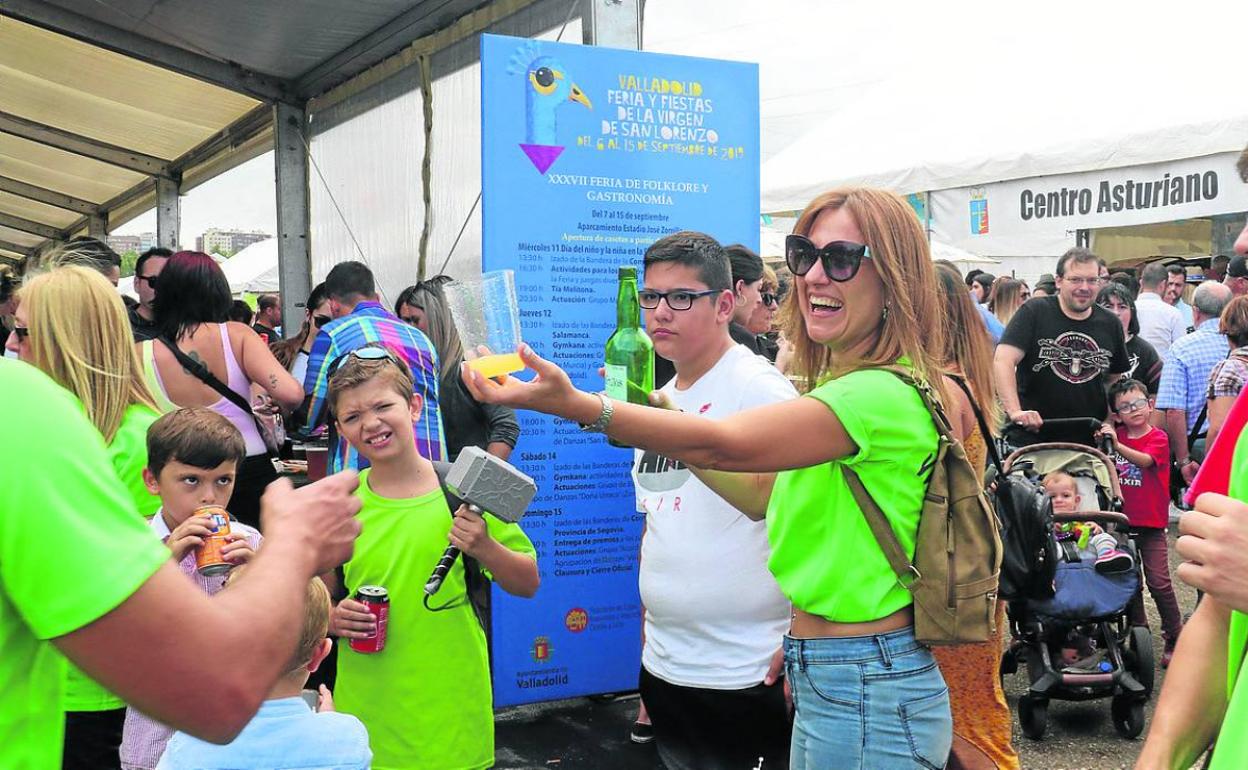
{"x": 192, "y": 456}
{"x": 425, "y": 696}
{"x": 287, "y": 732}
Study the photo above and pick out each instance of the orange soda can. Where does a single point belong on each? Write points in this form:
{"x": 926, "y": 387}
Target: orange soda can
{"x": 208, "y": 558}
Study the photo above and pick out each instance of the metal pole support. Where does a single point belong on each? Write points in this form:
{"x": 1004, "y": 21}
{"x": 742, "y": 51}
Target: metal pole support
{"x": 613, "y": 23}
{"x": 97, "y": 226}
{"x": 168, "y": 212}
{"x": 290, "y": 156}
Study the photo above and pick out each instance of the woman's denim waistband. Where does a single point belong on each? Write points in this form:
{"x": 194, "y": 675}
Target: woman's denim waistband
{"x": 852, "y": 649}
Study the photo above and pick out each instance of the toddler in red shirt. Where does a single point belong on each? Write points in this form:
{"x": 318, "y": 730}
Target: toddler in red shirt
{"x": 1142, "y": 453}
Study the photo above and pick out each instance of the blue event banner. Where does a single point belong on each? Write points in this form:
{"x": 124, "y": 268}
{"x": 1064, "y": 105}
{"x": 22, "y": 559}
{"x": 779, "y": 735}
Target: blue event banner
{"x": 589, "y": 155}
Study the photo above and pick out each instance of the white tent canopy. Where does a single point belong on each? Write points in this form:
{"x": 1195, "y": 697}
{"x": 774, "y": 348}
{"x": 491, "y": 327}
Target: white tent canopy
{"x": 920, "y": 96}
{"x": 254, "y": 269}
{"x": 963, "y": 259}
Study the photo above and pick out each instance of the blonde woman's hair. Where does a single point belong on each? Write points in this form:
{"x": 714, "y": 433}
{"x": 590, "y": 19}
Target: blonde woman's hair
{"x": 968, "y": 348}
{"x": 902, "y": 258}
{"x": 770, "y": 279}
{"x": 1007, "y": 298}
{"x": 80, "y": 336}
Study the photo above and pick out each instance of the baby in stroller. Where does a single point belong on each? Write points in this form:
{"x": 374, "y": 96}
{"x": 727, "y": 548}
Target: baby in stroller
{"x": 1077, "y": 643}
{"x": 1063, "y": 491}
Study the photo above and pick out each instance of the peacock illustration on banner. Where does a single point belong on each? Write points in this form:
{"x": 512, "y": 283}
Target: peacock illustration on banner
{"x": 548, "y": 87}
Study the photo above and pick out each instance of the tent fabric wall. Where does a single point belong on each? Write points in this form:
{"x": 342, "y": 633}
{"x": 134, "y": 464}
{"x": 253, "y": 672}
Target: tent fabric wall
{"x": 370, "y": 147}
{"x": 918, "y": 97}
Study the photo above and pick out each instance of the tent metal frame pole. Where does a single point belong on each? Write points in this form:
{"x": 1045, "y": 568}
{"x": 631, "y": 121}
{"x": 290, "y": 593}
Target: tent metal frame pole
{"x": 168, "y": 213}
{"x": 49, "y": 197}
{"x": 81, "y": 145}
{"x": 97, "y": 226}
{"x": 613, "y": 23}
{"x": 294, "y": 257}
{"x": 224, "y": 74}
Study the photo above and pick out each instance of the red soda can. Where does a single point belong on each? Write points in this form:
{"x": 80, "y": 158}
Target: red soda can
{"x": 377, "y": 600}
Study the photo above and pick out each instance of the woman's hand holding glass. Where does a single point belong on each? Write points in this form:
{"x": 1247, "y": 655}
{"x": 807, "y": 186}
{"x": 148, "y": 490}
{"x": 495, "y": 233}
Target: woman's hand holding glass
{"x": 551, "y": 391}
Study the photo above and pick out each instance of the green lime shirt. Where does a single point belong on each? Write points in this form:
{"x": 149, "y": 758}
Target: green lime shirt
{"x": 71, "y": 550}
{"x": 425, "y": 698}
{"x": 822, "y": 552}
{"x": 1232, "y": 745}
{"x": 128, "y": 453}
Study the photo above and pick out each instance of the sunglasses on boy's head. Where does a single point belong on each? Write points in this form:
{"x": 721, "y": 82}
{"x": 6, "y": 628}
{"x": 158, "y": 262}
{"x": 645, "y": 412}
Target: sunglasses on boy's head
{"x": 364, "y": 354}
{"x": 840, "y": 259}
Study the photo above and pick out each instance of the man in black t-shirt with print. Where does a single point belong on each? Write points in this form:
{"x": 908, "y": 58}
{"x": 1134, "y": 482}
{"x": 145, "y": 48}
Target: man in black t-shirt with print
{"x": 1059, "y": 355}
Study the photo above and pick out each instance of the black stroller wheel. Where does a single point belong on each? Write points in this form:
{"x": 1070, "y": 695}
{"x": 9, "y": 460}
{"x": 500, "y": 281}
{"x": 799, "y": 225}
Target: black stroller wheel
{"x": 1140, "y": 647}
{"x": 1128, "y": 715}
{"x": 1033, "y": 716}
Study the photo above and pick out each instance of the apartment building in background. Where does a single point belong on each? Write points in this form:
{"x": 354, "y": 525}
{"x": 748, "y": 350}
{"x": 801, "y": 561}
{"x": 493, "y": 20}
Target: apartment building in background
{"x": 218, "y": 241}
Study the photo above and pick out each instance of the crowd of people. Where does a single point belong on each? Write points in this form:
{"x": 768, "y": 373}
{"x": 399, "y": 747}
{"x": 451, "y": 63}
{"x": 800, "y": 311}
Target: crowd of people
{"x": 775, "y": 623}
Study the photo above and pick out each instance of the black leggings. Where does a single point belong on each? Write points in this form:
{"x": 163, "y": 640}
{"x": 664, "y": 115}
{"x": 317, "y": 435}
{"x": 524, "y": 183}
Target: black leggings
{"x": 254, "y": 474}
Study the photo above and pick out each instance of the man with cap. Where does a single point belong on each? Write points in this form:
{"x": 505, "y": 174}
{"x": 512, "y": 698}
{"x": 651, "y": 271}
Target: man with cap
{"x": 1237, "y": 275}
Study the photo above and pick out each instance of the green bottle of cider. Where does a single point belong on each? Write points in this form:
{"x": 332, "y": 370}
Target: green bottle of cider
{"x": 629, "y": 365}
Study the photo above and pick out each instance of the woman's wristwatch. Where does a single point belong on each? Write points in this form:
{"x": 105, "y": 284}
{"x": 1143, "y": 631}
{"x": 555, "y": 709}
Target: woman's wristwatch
{"x": 604, "y": 419}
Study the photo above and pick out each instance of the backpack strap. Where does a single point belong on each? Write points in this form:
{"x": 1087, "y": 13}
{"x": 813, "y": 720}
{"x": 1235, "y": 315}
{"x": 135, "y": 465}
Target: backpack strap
{"x": 991, "y": 443}
{"x": 1196, "y": 434}
{"x": 930, "y": 400}
{"x": 201, "y": 372}
{"x": 906, "y": 572}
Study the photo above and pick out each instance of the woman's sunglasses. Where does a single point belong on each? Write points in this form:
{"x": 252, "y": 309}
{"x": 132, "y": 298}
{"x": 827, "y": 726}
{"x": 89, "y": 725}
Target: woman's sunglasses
{"x": 840, "y": 259}
{"x": 770, "y": 300}
{"x": 321, "y": 320}
{"x": 21, "y": 332}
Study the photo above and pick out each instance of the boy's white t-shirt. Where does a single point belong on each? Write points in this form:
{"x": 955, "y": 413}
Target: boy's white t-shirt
{"x": 714, "y": 614}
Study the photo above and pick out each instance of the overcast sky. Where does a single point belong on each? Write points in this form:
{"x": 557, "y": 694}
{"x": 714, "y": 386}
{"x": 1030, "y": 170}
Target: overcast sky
{"x": 241, "y": 199}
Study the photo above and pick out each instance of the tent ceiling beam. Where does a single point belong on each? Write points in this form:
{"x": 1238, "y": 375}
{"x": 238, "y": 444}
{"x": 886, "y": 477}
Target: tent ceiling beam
{"x": 29, "y": 226}
{"x": 15, "y": 248}
{"x": 418, "y": 21}
{"x": 233, "y": 135}
{"x": 81, "y": 145}
{"x": 224, "y": 74}
{"x": 44, "y": 195}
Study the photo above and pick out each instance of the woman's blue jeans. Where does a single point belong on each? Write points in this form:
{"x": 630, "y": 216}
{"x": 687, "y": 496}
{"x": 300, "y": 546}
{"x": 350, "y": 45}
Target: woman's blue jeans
{"x": 867, "y": 702}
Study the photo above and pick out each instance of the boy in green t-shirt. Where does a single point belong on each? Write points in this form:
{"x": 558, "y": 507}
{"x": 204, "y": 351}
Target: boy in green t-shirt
{"x": 425, "y": 697}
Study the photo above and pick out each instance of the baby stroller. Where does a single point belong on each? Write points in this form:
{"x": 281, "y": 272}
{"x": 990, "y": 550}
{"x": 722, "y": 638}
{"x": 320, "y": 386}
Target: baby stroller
{"x": 1079, "y": 644}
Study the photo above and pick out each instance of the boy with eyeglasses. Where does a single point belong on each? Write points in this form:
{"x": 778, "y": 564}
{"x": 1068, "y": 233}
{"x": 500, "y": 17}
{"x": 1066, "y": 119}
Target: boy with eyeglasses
{"x": 714, "y": 616}
{"x": 1142, "y": 453}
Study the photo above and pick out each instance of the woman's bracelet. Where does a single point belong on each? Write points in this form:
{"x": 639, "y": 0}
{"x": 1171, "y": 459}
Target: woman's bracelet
{"x": 604, "y": 418}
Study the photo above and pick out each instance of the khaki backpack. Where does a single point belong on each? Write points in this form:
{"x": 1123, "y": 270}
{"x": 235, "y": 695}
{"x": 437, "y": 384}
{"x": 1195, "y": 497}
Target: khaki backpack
{"x": 957, "y": 555}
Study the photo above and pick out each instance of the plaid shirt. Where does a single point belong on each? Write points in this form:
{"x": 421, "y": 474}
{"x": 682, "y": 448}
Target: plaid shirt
{"x": 1185, "y": 375}
{"x": 371, "y": 323}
